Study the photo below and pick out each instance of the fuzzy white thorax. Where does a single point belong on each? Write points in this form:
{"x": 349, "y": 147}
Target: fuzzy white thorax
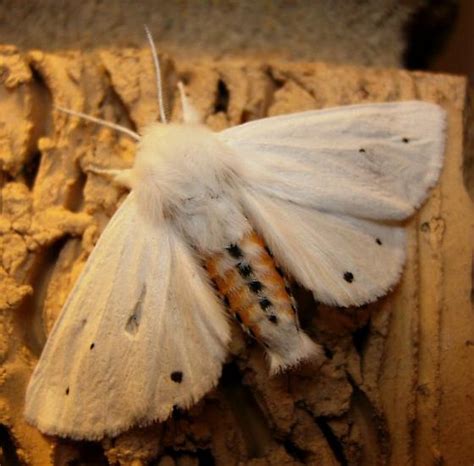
{"x": 185, "y": 174}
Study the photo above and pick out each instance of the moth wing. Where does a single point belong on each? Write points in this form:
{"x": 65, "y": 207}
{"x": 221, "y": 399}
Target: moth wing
{"x": 345, "y": 261}
{"x": 374, "y": 161}
{"x": 141, "y": 332}
{"x": 325, "y": 189}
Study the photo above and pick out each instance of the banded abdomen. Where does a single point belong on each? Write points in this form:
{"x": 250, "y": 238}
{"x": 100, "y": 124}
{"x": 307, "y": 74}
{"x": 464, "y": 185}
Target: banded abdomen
{"x": 257, "y": 295}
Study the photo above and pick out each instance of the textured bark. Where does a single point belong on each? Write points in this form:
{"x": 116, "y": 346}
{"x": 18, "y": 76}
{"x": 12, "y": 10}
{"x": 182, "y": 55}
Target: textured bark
{"x": 395, "y": 384}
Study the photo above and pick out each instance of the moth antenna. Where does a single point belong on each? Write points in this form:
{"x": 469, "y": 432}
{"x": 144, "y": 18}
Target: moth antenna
{"x": 190, "y": 113}
{"x": 159, "y": 86}
{"x": 100, "y": 122}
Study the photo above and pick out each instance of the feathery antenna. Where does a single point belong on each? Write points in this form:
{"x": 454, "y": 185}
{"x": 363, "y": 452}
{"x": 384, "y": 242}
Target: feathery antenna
{"x": 159, "y": 86}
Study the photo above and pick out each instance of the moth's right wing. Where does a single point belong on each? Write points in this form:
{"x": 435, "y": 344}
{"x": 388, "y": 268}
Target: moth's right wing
{"x": 141, "y": 332}
{"x": 372, "y": 161}
{"x": 326, "y": 189}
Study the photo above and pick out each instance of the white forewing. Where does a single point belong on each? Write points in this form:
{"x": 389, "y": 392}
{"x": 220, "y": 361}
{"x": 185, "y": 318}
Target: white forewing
{"x": 372, "y": 161}
{"x": 141, "y": 332}
{"x": 323, "y": 186}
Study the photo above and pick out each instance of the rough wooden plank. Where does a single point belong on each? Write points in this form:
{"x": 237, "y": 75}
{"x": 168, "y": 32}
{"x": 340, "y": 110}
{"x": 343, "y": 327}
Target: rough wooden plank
{"x": 394, "y": 387}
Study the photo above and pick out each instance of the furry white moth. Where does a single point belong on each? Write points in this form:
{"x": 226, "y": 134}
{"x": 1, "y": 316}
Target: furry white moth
{"x": 325, "y": 191}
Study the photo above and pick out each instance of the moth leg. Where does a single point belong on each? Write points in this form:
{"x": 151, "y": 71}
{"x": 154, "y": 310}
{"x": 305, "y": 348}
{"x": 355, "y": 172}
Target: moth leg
{"x": 190, "y": 113}
{"x": 123, "y": 178}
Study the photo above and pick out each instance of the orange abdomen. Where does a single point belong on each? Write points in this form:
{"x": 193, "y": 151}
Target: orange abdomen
{"x": 256, "y": 293}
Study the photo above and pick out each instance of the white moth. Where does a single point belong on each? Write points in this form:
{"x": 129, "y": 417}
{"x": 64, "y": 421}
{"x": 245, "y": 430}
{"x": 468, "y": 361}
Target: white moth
{"x": 143, "y": 330}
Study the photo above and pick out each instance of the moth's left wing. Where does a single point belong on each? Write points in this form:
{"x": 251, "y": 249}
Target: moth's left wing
{"x": 142, "y": 332}
{"x": 325, "y": 187}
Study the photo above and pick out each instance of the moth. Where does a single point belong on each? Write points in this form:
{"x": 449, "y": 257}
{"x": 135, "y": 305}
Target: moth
{"x": 318, "y": 196}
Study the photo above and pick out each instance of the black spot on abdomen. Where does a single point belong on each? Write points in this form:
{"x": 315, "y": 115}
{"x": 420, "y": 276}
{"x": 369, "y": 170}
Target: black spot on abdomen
{"x": 256, "y": 286}
{"x": 265, "y": 303}
{"x": 273, "y": 319}
{"x": 245, "y": 270}
{"x": 235, "y": 251}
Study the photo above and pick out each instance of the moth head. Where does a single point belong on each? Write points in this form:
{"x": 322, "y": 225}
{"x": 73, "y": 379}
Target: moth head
{"x": 169, "y": 153}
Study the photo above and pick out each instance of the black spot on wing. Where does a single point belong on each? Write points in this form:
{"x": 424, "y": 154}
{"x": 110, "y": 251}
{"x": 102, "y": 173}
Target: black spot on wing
{"x": 362, "y": 150}
{"x": 378, "y": 241}
{"x": 176, "y": 376}
{"x": 348, "y": 277}
{"x": 133, "y": 322}
{"x": 406, "y": 140}
{"x": 92, "y": 346}
{"x": 67, "y": 391}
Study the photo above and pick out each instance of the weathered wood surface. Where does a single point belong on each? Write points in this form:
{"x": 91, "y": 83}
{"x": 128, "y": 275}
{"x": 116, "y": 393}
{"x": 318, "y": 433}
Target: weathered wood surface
{"x": 395, "y": 386}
